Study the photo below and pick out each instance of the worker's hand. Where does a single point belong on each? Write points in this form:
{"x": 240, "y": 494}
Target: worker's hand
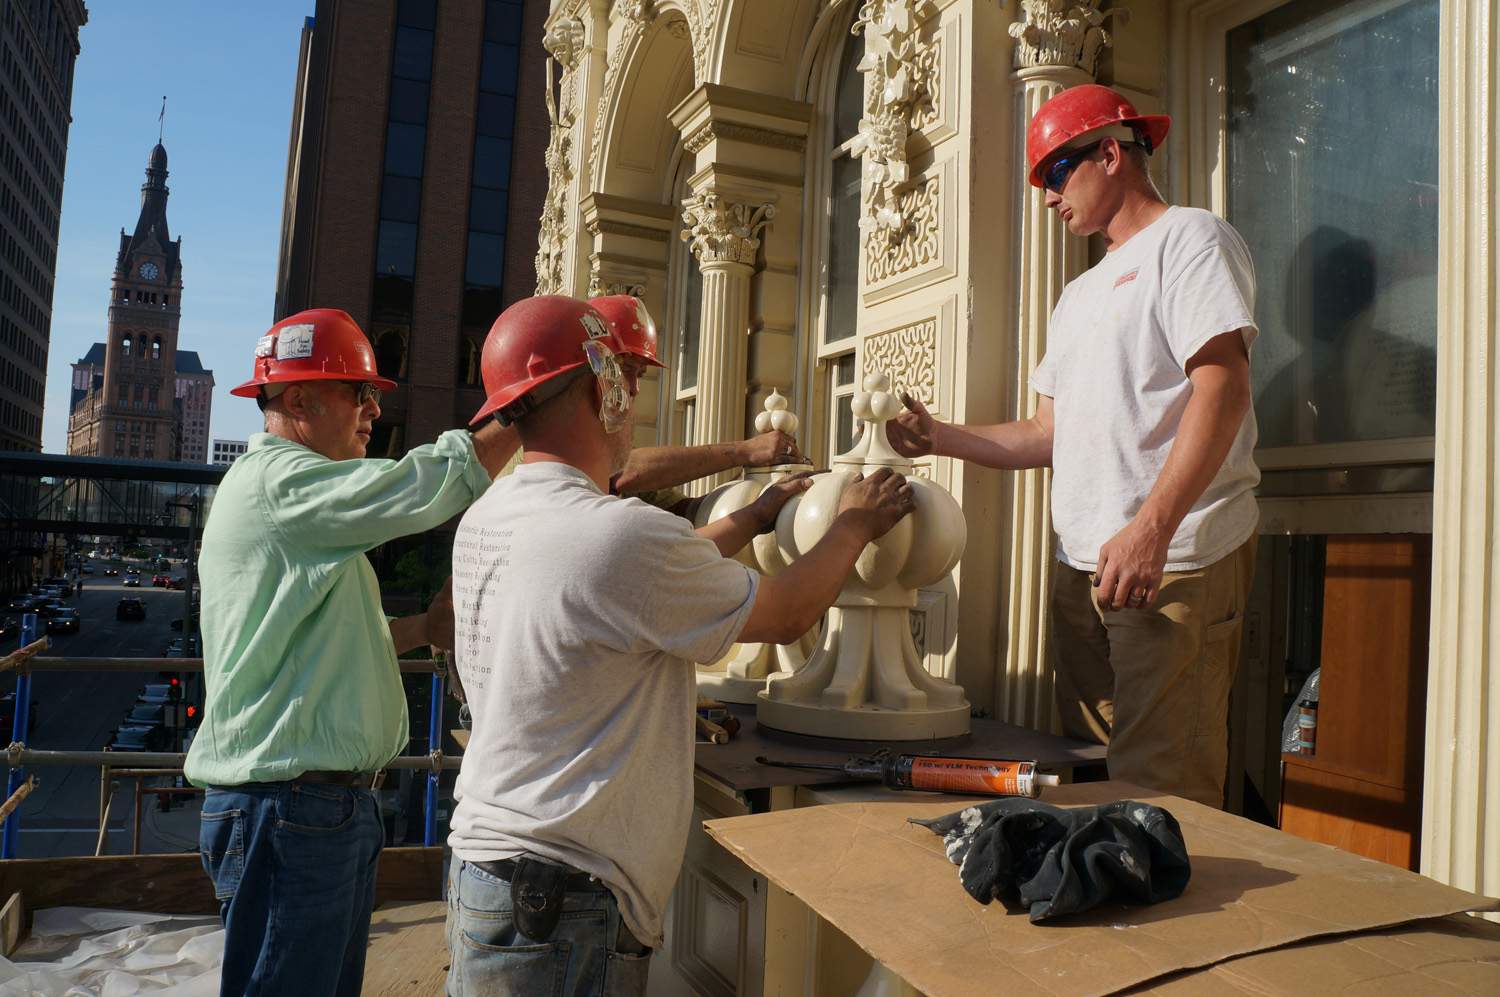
{"x": 1130, "y": 566}
{"x": 440, "y": 618}
{"x": 774, "y": 447}
{"x": 768, "y": 506}
{"x": 877, "y": 502}
{"x": 913, "y": 433}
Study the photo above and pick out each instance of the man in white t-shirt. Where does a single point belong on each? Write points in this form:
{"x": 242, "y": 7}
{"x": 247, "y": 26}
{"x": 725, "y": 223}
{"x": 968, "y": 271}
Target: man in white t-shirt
{"x": 579, "y": 616}
{"x": 1143, "y": 413}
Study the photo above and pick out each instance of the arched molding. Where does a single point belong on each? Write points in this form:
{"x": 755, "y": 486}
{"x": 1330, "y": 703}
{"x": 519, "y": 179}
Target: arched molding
{"x": 762, "y": 45}
{"x": 650, "y": 68}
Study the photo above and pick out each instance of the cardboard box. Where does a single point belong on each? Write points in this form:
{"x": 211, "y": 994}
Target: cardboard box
{"x": 887, "y": 884}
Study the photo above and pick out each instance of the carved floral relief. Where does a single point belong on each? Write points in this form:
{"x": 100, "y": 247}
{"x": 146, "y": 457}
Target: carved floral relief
{"x": 1067, "y": 33}
{"x": 719, "y": 231}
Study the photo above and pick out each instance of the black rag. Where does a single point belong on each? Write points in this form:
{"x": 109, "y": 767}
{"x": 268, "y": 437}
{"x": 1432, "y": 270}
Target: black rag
{"x": 1053, "y": 861}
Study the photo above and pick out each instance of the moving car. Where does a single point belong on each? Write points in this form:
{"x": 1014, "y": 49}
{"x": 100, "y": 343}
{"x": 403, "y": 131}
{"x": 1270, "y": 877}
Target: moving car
{"x": 51, "y": 608}
{"x": 66, "y": 622}
{"x": 132, "y": 581}
{"x": 137, "y": 738}
{"x": 111, "y": 572}
{"x": 130, "y": 609}
{"x": 177, "y": 583}
{"x": 160, "y": 581}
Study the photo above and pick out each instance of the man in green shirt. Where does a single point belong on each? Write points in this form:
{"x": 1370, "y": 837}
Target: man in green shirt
{"x": 304, "y": 702}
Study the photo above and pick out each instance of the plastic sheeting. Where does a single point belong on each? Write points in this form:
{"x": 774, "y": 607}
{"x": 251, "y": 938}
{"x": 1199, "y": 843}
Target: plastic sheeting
{"x": 78, "y": 951}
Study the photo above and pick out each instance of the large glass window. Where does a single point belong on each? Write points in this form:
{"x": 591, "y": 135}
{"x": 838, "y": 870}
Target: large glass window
{"x": 489, "y": 191}
{"x": 1332, "y": 179}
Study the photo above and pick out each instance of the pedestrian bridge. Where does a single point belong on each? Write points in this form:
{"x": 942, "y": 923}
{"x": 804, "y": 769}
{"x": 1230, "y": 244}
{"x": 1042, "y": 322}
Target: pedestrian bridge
{"x": 50, "y": 493}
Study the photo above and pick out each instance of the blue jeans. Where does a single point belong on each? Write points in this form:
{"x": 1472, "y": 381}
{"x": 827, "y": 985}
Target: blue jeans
{"x": 592, "y": 953}
{"x": 294, "y": 870}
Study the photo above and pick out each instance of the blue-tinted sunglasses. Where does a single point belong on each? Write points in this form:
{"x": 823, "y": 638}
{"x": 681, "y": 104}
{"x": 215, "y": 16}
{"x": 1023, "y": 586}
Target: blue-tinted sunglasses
{"x": 1055, "y": 176}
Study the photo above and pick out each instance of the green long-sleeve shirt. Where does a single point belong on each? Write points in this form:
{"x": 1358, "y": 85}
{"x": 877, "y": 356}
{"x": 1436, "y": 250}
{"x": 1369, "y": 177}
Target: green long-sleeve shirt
{"x": 299, "y": 668}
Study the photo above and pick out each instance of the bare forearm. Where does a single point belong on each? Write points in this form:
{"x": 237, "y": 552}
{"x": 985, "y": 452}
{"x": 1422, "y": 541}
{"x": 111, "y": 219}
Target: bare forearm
{"x": 1209, "y": 426}
{"x": 409, "y": 632}
{"x": 796, "y": 598}
{"x": 730, "y": 533}
{"x": 1008, "y": 445}
{"x": 495, "y": 445}
{"x": 666, "y": 467}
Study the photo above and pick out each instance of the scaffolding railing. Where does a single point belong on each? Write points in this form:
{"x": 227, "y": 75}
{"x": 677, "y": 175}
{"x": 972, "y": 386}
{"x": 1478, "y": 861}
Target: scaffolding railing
{"x": 139, "y": 765}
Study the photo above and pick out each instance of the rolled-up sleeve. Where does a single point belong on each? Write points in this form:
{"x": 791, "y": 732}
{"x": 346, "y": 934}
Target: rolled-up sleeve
{"x": 359, "y": 504}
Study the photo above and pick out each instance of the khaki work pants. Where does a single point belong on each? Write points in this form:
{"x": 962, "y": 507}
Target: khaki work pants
{"x": 1154, "y": 683}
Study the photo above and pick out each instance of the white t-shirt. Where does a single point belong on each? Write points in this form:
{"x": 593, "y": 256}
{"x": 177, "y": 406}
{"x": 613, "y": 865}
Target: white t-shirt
{"x": 578, "y": 617}
{"x": 1118, "y": 343}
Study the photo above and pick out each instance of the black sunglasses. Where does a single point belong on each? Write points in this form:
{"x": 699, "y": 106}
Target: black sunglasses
{"x": 364, "y": 391}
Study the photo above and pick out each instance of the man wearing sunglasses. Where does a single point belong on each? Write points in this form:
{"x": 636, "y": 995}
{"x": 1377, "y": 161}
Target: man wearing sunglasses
{"x": 1143, "y": 412}
{"x": 303, "y": 697}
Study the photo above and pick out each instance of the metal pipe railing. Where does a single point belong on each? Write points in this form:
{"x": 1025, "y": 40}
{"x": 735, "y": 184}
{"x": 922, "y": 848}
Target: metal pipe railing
{"x": 18, "y": 732}
{"x": 435, "y": 750}
{"x": 416, "y": 666}
{"x": 18, "y": 755}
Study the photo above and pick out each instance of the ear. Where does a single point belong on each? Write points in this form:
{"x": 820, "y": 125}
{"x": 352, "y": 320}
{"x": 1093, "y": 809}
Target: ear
{"x": 298, "y": 401}
{"x": 1111, "y": 156}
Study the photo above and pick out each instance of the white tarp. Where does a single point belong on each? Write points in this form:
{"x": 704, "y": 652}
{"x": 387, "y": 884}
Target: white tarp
{"x": 82, "y": 952}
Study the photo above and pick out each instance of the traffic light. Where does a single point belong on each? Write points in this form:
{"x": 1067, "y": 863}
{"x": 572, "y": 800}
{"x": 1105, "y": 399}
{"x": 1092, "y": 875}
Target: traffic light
{"x": 174, "y": 689}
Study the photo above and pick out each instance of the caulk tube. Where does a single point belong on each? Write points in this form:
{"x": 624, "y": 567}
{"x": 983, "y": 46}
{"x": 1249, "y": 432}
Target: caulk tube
{"x": 967, "y": 775}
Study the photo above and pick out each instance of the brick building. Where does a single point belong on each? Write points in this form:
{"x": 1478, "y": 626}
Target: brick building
{"x": 136, "y": 395}
{"x": 415, "y": 180}
{"x": 38, "y": 46}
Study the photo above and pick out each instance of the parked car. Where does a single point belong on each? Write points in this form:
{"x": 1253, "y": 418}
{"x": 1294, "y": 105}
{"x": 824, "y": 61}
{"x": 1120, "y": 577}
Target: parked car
{"x": 130, "y": 609}
{"x": 62, "y": 585}
{"x": 137, "y": 738}
{"x": 66, "y": 622}
{"x": 87, "y": 569}
{"x": 159, "y": 693}
{"x": 178, "y": 648}
{"x": 179, "y": 584}
{"x": 51, "y": 608}
{"x": 145, "y": 715}
{"x": 132, "y": 581}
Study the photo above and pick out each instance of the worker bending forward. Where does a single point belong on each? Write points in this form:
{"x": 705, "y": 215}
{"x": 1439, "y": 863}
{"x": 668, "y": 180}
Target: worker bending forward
{"x": 579, "y": 616}
{"x": 304, "y": 701}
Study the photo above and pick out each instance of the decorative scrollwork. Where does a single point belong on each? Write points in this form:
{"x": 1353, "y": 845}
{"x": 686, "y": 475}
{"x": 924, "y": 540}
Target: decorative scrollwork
{"x": 909, "y": 355}
{"x": 921, "y": 243}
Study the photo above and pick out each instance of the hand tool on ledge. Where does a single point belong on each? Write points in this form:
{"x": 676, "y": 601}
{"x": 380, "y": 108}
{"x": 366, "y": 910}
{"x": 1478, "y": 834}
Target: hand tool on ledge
{"x": 938, "y": 773}
{"x": 715, "y": 723}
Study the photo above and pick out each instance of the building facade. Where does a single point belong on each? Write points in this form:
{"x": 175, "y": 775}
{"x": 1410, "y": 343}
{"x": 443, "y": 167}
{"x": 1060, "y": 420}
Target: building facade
{"x": 226, "y": 452}
{"x": 805, "y": 192}
{"x": 414, "y": 184}
{"x": 38, "y": 46}
{"x": 142, "y": 398}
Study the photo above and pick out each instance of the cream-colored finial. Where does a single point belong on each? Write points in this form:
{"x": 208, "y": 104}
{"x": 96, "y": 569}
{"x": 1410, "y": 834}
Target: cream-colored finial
{"x": 776, "y": 416}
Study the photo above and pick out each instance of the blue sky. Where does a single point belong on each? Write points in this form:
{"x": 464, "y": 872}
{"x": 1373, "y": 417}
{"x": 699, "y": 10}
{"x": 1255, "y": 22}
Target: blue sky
{"x": 228, "y": 71}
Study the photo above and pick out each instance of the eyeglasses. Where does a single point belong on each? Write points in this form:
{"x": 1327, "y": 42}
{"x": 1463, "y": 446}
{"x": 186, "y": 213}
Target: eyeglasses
{"x": 364, "y": 392}
{"x": 1055, "y": 176}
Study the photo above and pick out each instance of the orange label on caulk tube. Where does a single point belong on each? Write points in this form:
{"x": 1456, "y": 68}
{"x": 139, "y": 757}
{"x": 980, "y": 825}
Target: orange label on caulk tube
{"x": 974, "y": 775}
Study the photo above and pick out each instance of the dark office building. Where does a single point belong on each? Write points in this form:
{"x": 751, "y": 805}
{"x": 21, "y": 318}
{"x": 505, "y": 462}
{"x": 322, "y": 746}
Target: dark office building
{"x": 414, "y": 187}
{"x": 38, "y": 45}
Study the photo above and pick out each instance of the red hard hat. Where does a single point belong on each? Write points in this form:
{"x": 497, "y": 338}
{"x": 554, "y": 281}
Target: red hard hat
{"x": 534, "y": 341}
{"x": 320, "y": 344}
{"x": 631, "y": 324}
{"x": 1077, "y": 111}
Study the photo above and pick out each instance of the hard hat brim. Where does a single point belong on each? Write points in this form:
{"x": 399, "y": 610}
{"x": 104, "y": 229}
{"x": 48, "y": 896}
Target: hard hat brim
{"x": 251, "y": 388}
{"x": 511, "y": 392}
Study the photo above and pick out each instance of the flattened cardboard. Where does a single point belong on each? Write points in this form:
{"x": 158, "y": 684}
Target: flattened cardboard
{"x": 1445, "y": 956}
{"x": 887, "y": 885}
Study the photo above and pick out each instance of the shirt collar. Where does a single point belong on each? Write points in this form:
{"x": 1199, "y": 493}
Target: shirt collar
{"x": 551, "y": 470}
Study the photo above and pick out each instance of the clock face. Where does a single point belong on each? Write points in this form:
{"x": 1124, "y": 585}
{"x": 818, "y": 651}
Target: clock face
{"x": 149, "y": 271}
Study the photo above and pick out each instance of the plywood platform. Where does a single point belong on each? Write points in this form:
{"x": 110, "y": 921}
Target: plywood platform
{"x": 408, "y": 955}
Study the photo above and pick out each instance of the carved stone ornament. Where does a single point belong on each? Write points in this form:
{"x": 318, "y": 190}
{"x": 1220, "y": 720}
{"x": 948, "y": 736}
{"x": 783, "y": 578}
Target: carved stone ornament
{"x": 909, "y": 355}
{"x": 565, "y": 42}
{"x": 720, "y": 231}
{"x": 1063, "y": 33}
{"x": 552, "y": 237}
{"x": 632, "y": 10}
{"x": 901, "y": 68}
{"x": 599, "y": 287}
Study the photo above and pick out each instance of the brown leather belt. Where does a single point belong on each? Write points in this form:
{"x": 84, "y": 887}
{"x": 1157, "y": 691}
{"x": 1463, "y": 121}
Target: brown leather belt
{"x": 361, "y": 780}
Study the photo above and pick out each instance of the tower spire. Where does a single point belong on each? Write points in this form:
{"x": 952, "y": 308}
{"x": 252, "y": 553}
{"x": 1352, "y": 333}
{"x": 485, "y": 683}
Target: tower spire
{"x": 161, "y": 120}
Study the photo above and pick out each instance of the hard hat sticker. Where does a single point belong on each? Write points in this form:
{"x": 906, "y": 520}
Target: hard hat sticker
{"x": 264, "y": 345}
{"x": 294, "y": 342}
{"x": 592, "y": 325}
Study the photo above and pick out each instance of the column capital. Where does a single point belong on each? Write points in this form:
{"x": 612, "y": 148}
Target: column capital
{"x": 1068, "y": 34}
{"x": 718, "y": 230}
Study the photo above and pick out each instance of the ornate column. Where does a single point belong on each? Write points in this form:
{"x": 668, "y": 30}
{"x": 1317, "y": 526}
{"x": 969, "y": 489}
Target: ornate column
{"x": 724, "y": 236}
{"x": 1057, "y": 46}
{"x": 1461, "y": 790}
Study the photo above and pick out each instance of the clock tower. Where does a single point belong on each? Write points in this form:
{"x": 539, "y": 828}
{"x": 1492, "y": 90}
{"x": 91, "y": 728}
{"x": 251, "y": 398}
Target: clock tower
{"x": 133, "y": 410}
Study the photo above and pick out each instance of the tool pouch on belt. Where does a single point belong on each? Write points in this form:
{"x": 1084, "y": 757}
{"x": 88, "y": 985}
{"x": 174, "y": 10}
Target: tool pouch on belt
{"x": 536, "y": 897}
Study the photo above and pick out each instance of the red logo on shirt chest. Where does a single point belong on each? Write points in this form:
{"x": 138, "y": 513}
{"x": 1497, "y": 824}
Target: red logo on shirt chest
{"x": 1127, "y": 277}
